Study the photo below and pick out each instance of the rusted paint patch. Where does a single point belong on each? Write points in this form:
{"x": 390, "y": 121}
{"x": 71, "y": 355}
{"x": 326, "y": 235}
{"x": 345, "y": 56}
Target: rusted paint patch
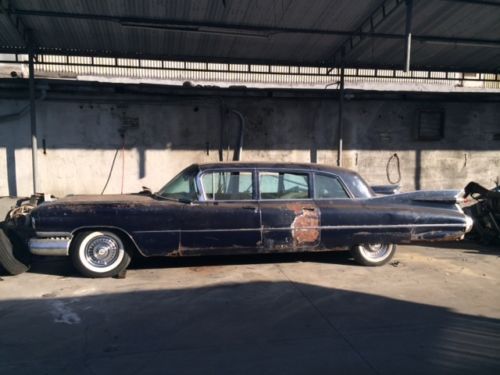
{"x": 305, "y": 226}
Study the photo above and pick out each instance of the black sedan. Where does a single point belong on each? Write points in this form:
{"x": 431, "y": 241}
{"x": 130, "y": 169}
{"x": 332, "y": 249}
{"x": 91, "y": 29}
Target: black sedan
{"x": 237, "y": 208}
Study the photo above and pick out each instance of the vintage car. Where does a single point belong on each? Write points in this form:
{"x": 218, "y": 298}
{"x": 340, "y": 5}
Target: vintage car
{"x": 236, "y": 208}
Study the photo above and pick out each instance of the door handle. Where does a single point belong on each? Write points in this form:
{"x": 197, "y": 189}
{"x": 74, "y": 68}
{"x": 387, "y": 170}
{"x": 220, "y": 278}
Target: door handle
{"x": 309, "y": 208}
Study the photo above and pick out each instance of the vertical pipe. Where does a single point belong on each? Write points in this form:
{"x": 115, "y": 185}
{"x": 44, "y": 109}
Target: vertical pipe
{"x": 238, "y": 151}
{"x": 409, "y": 19}
{"x": 34, "y": 146}
{"x": 340, "y": 131}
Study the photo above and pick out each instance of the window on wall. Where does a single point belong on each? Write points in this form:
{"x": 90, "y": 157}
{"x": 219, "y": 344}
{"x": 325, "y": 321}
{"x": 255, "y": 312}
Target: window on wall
{"x": 228, "y": 185}
{"x": 430, "y": 125}
{"x": 280, "y": 185}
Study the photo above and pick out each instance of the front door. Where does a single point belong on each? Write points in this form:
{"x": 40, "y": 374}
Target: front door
{"x": 227, "y": 221}
{"x": 290, "y": 218}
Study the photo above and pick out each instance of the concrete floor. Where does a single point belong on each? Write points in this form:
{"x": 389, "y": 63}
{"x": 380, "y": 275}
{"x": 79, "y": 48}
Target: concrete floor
{"x": 433, "y": 310}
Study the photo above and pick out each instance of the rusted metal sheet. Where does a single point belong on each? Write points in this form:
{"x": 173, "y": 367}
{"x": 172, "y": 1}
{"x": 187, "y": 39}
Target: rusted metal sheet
{"x": 306, "y": 225}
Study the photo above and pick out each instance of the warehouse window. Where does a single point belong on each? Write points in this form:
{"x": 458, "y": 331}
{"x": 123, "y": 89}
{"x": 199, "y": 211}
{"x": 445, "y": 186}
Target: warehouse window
{"x": 430, "y": 125}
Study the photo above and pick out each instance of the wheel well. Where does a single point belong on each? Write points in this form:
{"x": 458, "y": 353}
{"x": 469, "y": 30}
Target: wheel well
{"x": 124, "y": 236}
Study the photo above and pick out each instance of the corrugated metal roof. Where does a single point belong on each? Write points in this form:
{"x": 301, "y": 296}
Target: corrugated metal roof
{"x": 88, "y": 36}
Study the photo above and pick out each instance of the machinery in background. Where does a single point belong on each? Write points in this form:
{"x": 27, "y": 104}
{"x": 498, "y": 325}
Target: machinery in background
{"x": 485, "y": 212}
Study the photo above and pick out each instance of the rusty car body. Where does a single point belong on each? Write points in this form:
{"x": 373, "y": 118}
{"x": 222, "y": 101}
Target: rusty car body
{"x": 235, "y": 208}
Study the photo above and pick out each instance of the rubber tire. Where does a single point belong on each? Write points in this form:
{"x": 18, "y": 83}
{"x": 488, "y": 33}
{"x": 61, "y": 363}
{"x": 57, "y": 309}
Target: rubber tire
{"x": 360, "y": 258}
{"x": 77, "y": 263}
{"x": 7, "y": 258}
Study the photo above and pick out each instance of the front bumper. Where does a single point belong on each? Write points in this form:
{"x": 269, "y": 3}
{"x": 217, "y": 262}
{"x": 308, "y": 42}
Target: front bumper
{"x": 469, "y": 223}
{"x": 57, "y": 246}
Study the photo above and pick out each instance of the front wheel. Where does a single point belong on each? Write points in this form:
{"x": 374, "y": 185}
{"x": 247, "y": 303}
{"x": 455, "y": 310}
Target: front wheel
{"x": 373, "y": 254}
{"x": 99, "y": 254}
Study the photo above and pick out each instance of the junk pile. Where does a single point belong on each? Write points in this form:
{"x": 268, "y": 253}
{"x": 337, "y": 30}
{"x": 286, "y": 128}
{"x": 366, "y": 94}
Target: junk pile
{"x": 485, "y": 213}
{"x": 15, "y": 257}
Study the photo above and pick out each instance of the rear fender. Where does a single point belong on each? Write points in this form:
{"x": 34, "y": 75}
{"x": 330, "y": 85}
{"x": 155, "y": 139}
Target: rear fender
{"x": 424, "y": 198}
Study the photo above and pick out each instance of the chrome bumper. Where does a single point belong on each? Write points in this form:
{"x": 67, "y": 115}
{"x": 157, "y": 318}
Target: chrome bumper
{"x": 57, "y": 246}
{"x": 469, "y": 223}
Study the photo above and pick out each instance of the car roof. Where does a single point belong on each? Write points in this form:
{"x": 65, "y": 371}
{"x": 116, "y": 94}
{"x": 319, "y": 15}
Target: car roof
{"x": 271, "y": 165}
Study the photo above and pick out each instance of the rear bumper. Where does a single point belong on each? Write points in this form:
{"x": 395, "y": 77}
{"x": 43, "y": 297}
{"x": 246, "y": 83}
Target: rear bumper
{"x": 56, "y": 246}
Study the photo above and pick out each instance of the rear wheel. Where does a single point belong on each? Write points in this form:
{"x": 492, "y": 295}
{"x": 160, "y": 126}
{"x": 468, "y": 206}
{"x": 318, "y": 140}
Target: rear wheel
{"x": 99, "y": 254}
{"x": 373, "y": 254}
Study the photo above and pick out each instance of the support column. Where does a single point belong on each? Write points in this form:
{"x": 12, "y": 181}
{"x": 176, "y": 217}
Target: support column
{"x": 340, "y": 130}
{"x": 409, "y": 20}
{"x": 34, "y": 145}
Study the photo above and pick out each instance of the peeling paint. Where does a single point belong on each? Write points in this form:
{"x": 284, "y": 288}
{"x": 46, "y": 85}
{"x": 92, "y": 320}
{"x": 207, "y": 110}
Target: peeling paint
{"x": 306, "y": 225}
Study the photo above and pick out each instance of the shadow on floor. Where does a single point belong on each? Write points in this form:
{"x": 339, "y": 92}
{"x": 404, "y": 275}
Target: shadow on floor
{"x": 61, "y": 266}
{"x": 242, "y": 328}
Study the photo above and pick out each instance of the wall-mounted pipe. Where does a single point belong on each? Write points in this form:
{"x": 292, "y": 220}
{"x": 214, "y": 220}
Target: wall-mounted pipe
{"x": 409, "y": 19}
{"x": 34, "y": 145}
{"x": 238, "y": 150}
{"x": 340, "y": 128}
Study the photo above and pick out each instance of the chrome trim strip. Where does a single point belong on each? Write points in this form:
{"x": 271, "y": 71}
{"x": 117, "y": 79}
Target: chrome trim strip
{"x": 54, "y": 234}
{"x": 328, "y": 227}
{"x": 49, "y": 246}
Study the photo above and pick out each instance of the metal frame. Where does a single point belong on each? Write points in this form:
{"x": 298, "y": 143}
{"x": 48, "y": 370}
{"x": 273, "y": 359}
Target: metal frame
{"x": 26, "y": 36}
{"x": 370, "y": 23}
{"x": 235, "y": 30}
{"x": 365, "y": 30}
{"x": 278, "y": 70}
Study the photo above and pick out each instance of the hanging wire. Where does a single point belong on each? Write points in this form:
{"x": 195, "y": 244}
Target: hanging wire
{"x": 110, "y": 171}
{"x": 398, "y": 168}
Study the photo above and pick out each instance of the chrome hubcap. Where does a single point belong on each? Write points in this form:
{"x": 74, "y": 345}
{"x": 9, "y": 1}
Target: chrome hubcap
{"x": 102, "y": 251}
{"x": 375, "y": 251}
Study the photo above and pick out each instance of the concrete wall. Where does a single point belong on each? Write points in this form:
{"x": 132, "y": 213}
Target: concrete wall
{"x": 82, "y": 137}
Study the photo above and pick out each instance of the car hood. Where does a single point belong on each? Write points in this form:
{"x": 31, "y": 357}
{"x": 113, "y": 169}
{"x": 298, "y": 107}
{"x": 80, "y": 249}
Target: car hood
{"x": 108, "y": 198}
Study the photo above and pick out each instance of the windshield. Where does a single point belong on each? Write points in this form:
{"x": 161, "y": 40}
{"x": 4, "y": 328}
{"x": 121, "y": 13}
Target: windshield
{"x": 182, "y": 186}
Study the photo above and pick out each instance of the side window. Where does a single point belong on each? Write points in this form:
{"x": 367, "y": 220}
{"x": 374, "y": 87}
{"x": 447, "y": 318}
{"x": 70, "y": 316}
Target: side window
{"x": 279, "y": 185}
{"x": 227, "y": 185}
{"x": 328, "y": 187}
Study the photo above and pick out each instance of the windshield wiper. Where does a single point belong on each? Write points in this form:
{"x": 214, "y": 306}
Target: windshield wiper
{"x": 181, "y": 200}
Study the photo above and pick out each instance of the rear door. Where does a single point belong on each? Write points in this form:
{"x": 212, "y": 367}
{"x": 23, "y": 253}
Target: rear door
{"x": 290, "y": 218}
{"x": 338, "y": 211}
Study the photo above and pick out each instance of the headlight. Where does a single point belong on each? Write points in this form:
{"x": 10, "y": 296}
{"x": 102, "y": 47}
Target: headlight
{"x": 33, "y": 223}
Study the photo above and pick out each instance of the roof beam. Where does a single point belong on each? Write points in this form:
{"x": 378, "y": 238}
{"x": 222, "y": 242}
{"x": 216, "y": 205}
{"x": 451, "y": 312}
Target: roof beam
{"x": 376, "y": 17}
{"x": 477, "y": 2}
{"x": 15, "y": 23}
{"x": 236, "y": 29}
{"x": 233, "y": 30}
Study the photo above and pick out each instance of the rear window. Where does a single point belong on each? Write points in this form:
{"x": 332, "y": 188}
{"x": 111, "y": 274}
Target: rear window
{"x": 328, "y": 187}
{"x": 281, "y": 185}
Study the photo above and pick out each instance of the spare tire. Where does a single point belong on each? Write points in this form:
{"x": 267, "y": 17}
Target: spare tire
{"x": 8, "y": 261}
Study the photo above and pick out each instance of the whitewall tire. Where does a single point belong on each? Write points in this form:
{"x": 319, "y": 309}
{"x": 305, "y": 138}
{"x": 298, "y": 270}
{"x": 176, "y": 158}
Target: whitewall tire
{"x": 373, "y": 254}
{"x": 99, "y": 254}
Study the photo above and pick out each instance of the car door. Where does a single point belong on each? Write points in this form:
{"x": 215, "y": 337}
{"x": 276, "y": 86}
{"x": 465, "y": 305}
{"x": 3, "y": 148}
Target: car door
{"x": 227, "y": 219}
{"x": 290, "y": 218}
{"x": 337, "y": 209}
